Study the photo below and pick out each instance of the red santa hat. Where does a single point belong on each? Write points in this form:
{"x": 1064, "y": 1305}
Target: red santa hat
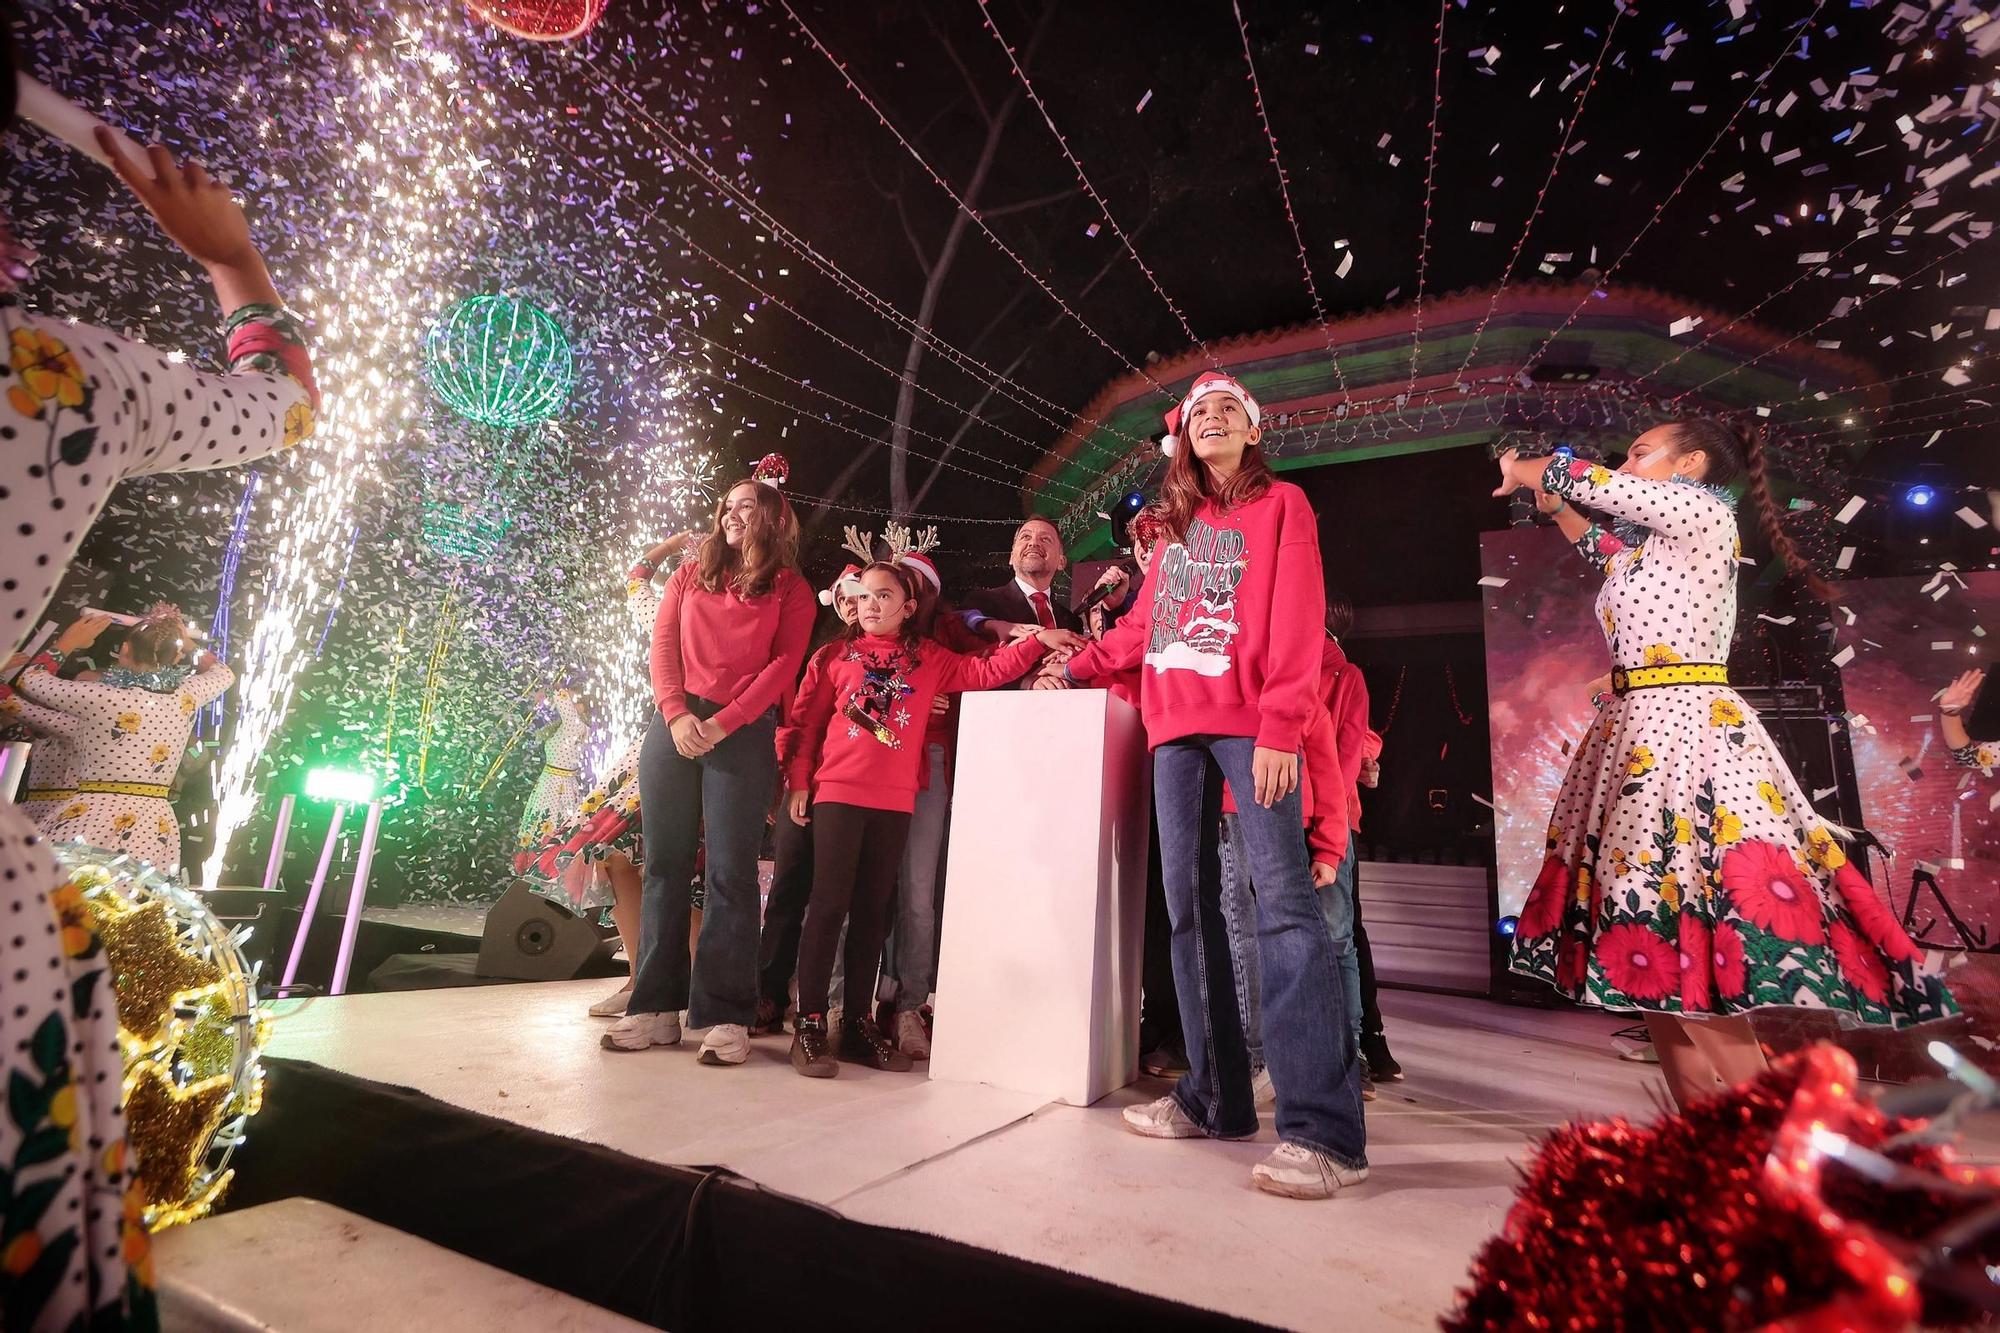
{"x": 848, "y": 584}
{"x": 1213, "y": 381}
{"x": 926, "y": 568}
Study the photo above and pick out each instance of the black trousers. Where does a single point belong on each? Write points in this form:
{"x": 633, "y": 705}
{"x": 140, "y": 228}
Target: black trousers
{"x": 1371, "y": 1012}
{"x": 785, "y": 909}
{"x": 1159, "y": 1008}
{"x": 857, "y": 857}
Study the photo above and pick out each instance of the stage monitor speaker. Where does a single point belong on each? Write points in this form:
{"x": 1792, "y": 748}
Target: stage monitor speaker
{"x": 529, "y": 938}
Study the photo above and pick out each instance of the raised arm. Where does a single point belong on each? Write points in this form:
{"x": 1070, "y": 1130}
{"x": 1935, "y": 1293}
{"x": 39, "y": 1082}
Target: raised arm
{"x": 206, "y": 685}
{"x": 185, "y": 420}
{"x": 1669, "y": 509}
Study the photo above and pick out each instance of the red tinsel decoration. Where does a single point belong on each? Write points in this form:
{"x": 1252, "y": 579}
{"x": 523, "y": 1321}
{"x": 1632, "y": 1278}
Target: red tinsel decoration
{"x": 540, "y": 20}
{"x": 1723, "y": 1217}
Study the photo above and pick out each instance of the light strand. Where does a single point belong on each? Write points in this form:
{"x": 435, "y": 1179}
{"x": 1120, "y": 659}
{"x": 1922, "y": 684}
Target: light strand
{"x": 965, "y": 208}
{"x": 1285, "y": 197}
{"x": 1430, "y": 194}
{"x": 1804, "y": 28}
{"x": 1103, "y": 208}
{"x": 1542, "y": 194}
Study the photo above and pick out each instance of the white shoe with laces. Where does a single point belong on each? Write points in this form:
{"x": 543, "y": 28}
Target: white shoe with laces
{"x": 1263, "y": 1090}
{"x": 612, "y": 1006}
{"x": 1164, "y": 1119}
{"x": 637, "y": 1032}
{"x": 725, "y": 1044}
{"x": 911, "y": 1039}
{"x": 1298, "y": 1172}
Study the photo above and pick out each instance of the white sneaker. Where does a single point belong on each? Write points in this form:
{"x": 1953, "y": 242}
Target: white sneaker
{"x": 725, "y": 1044}
{"x": 612, "y": 1006}
{"x": 1263, "y": 1090}
{"x": 636, "y": 1032}
{"x": 1161, "y": 1119}
{"x": 1298, "y": 1172}
{"x": 911, "y": 1039}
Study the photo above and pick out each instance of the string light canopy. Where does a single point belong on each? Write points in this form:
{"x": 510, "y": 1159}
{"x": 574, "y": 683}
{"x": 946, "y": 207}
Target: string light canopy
{"x": 500, "y": 361}
{"x": 540, "y": 20}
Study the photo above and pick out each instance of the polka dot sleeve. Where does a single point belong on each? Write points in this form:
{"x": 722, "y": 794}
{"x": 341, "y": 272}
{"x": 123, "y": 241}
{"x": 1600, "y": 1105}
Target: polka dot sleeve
{"x": 188, "y": 420}
{"x": 1984, "y": 756}
{"x": 1677, "y": 513}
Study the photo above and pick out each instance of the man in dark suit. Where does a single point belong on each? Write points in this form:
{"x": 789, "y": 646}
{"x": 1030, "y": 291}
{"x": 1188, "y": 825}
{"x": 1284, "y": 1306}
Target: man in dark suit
{"x": 1030, "y": 598}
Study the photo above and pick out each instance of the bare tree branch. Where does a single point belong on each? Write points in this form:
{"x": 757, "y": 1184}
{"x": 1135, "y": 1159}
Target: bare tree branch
{"x": 916, "y": 246}
{"x": 1023, "y": 205}
{"x": 971, "y": 84}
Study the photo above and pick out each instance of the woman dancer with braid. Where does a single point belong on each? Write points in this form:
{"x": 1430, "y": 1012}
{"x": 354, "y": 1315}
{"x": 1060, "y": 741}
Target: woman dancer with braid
{"x": 1688, "y": 877}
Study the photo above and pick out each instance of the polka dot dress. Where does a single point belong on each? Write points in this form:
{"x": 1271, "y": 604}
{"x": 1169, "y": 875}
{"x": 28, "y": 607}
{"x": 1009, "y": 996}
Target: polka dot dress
{"x": 128, "y": 744}
{"x": 80, "y": 410}
{"x": 51, "y": 778}
{"x": 559, "y": 788}
{"x": 1686, "y": 871}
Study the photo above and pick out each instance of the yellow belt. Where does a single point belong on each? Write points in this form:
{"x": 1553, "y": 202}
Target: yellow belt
{"x": 158, "y": 790}
{"x": 559, "y": 772}
{"x": 47, "y": 794}
{"x": 1624, "y": 681}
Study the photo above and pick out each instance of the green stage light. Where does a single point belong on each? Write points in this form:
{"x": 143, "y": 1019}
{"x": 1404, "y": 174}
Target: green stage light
{"x": 340, "y": 784}
{"x": 499, "y": 361}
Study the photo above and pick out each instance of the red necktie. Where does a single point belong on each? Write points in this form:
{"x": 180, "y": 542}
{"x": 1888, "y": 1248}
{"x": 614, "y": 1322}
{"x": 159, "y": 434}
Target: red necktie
{"x": 1043, "y": 616}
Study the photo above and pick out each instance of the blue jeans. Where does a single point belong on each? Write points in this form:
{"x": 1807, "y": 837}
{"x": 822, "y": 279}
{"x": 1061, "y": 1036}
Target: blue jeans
{"x": 1311, "y": 1060}
{"x": 1239, "y": 909}
{"x": 910, "y": 968}
{"x": 1239, "y": 913}
{"x": 1341, "y": 902}
{"x": 718, "y": 802}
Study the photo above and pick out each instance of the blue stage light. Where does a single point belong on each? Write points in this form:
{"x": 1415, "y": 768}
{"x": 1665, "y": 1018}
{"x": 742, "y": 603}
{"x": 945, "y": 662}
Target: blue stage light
{"x": 1507, "y": 925}
{"x": 1920, "y": 496}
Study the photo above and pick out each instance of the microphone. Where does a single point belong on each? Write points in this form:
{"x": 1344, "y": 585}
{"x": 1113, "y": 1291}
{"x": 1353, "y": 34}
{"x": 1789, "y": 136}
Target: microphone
{"x": 1097, "y": 595}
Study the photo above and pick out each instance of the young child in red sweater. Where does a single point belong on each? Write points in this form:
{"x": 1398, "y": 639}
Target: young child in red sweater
{"x": 861, "y": 716}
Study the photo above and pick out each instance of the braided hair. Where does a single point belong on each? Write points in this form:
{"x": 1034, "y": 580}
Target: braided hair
{"x": 1733, "y": 453}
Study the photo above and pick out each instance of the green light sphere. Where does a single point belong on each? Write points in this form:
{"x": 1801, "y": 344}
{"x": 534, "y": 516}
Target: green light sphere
{"x": 499, "y": 361}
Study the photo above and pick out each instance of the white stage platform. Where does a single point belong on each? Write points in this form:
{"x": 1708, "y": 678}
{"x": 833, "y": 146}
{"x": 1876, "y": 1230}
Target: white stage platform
{"x": 1057, "y": 1185}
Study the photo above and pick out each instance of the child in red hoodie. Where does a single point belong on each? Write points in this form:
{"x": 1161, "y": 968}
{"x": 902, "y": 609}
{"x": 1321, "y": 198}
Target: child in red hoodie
{"x": 862, "y": 715}
{"x": 1228, "y": 630}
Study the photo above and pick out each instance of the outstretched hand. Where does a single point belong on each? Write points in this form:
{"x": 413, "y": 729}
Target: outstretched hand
{"x": 198, "y": 214}
{"x": 1958, "y": 695}
{"x": 1517, "y": 473}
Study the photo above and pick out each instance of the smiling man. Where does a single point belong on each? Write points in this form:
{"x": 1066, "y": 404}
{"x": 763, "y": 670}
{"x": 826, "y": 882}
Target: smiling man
{"x": 1030, "y": 598}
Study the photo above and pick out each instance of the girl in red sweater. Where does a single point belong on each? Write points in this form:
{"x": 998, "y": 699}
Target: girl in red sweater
{"x": 1227, "y": 629}
{"x": 862, "y": 715}
{"x": 731, "y": 633}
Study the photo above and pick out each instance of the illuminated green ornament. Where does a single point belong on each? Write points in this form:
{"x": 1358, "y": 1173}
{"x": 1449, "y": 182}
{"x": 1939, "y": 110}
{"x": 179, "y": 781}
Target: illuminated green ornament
{"x": 499, "y": 361}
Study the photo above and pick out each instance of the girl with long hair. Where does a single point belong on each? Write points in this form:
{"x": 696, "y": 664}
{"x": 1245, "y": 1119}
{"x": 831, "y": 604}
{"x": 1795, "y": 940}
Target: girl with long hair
{"x": 1688, "y": 877}
{"x": 861, "y": 716}
{"x": 731, "y": 632}
{"x": 1227, "y": 630}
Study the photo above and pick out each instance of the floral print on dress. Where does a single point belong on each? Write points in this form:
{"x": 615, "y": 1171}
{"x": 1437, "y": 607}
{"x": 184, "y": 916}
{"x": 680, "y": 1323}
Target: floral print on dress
{"x": 86, "y": 409}
{"x": 127, "y": 737}
{"x": 1686, "y": 872}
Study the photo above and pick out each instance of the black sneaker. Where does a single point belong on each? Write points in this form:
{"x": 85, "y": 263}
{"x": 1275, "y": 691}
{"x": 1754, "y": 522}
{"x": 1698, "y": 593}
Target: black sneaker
{"x": 812, "y": 1050}
{"x": 862, "y": 1043}
{"x": 1381, "y": 1064}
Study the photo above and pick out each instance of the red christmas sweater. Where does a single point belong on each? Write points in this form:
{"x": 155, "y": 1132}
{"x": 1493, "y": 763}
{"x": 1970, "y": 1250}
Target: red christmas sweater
{"x": 1228, "y": 626}
{"x": 742, "y": 653}
{"x": 1323, "y": 786}
{"x": 862, "y": 715}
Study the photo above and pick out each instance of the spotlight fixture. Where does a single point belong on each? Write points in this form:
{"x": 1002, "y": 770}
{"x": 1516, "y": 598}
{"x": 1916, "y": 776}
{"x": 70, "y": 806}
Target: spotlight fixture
{"x": 1921, "y": 497}
{"x": 1507, "y": 925}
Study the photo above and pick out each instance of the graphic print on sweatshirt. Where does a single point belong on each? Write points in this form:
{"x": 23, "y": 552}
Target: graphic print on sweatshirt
{"x": 876, "y": 705}
{"x": 1194, "y": 608}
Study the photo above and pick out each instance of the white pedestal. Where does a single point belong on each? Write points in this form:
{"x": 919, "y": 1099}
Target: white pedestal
{"x": 1038, "y": 975}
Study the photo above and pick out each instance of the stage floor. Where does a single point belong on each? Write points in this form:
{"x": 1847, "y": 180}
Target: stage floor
{"x": 1057, "y": 1185}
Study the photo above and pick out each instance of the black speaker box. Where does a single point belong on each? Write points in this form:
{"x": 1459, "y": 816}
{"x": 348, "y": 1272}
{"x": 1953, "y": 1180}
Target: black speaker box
{"x": 529, "y": 938}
